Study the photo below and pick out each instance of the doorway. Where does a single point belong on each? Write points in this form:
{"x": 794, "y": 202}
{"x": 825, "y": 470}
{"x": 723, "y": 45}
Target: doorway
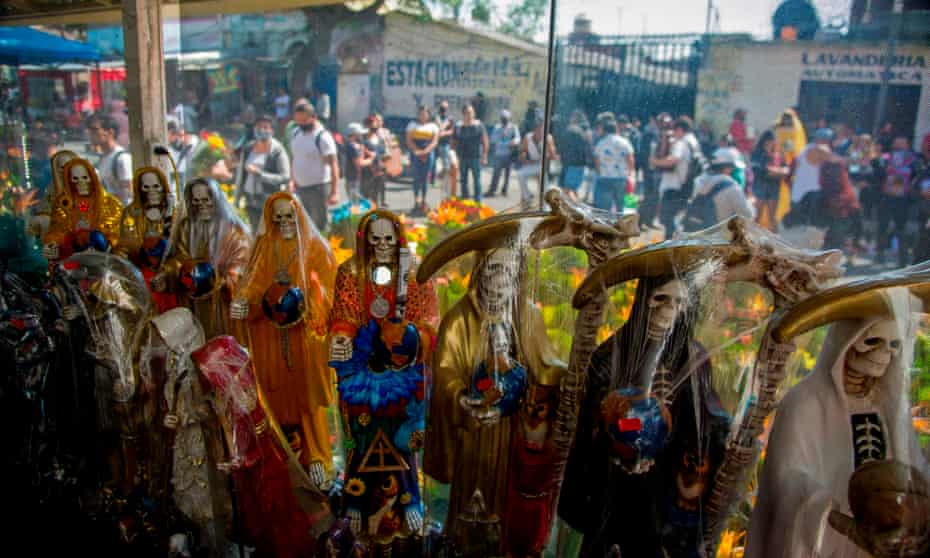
{"x": 854, "y": 104}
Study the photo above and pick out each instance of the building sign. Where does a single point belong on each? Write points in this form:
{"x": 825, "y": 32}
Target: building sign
{"x": 223, "y": 80}
{"x": 862, "y": 66}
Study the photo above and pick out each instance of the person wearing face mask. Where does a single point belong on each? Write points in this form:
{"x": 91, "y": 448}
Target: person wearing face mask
{"x": 264, "y": 170}
{"x": 182, "y": 147}
{"x": 446, "y": 128}
{"x": 505, "y": 139}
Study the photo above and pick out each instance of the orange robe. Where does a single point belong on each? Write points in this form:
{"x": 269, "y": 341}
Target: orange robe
{"x": 291, "y": 363}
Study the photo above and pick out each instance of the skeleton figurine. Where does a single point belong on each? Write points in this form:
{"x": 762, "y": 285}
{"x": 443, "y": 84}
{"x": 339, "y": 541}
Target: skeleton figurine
{"x": 381, "y": 328}
{"x": 846, "y": 424}
{"x": 210, "y": 251}
{"x": 198, "y": 488}
{"x": 651, "y": 428}
{"x": 145, "y": 230}
{"x": 43, "y": 211}
{"x": 284, "y": 300}
{"x": 84, "y": 215}
{"x": 495, "y": 391}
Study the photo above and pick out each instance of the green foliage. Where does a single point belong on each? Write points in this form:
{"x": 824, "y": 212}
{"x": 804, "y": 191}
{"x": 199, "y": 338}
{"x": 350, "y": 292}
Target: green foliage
{"x": 525, "y": 19}
{"x": 482, "y": 10}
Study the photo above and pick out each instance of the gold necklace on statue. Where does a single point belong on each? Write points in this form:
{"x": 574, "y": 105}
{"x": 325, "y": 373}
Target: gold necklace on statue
{"x": 282, "y": 275}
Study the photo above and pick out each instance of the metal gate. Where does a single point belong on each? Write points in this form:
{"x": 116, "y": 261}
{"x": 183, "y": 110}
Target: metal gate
{"x": 633, "y": 75}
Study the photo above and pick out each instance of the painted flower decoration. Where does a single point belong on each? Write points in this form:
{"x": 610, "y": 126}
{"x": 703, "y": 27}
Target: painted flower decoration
{"x": 355, "y": 487}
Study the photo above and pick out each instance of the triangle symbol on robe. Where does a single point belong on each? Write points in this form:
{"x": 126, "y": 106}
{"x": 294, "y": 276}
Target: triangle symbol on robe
{"x": 382, "y": 456}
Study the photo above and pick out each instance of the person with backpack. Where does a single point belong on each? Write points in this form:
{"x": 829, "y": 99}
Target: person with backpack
{"x": 679, "y": 168}
{"x": 314, "y": 164}
{"x": 264, "y": 169}
{"x": 115, "y": 164}
{"x": 897, "y": 171}
{"x": 717, "y": 196}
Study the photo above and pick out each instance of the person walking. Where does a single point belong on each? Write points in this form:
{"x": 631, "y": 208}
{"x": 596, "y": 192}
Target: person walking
{"x": 314, "y": 164}
{"x": 282, "y": 106}
{"x": 357, "y": 158}
{"x": 615, "y": 166}
{"x": 675, "y": 183}
{"x": 264, "y": 169}
{"x": 806, "y": 171}
{"x": 372, "y": 184}
{"x": 530, "y": 159}
{"x": 422, "y": 140}
{"x": 897, "y": 173}
{"x": 574, "y": 146}
{"x": 740, "y": 133}
{"x": 470, "y": 141}
{"x": 182, "y": 146}
{"x": 768, "y": 170}
{"x": 717, "y": 196}
{"x": 115, "y": 164}
{"x": 446, "y": 128}
{"x": 505, "y": 140}
{"x": 839, "y": 207}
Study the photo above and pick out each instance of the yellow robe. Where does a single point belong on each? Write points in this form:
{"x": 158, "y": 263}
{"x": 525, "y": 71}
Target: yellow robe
{"x": 790, "y": 140}
{"x": 457, "y": 451}
{"x": 103, "y": 214}
{"x": 300, "y": 393}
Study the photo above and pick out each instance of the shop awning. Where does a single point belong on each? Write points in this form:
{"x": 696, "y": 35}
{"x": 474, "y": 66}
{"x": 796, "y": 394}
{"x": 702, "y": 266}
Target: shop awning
{"x": 24, "y": 45}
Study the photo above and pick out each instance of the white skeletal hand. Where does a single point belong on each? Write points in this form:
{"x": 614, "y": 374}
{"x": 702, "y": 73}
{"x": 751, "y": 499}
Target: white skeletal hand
{"x": 239, "y": 309}
{"x": 317, "y": 474}
{"x": 478, "y": 409}
{"x": 355, "y": 521}
{"x": 414, "y": 520}
{"x": 340, "y": 348}
{"x": 50, "y": 251}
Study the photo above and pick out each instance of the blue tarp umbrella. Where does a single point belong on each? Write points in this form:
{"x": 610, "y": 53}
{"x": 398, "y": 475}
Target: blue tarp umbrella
{"x": 24, "y": 45}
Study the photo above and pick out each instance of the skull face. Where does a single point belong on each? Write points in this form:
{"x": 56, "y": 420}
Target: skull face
{"x": 153, "y": 191}
{"x": 285, "y": 218}
{"x": 665, "y": 305}
{"x": 873, "y": 351}
{"x": 202, "y": 205}
{"x": 80, "y": 180}
{"x": 498, "y": 278}
{"x": 382, "y": 240}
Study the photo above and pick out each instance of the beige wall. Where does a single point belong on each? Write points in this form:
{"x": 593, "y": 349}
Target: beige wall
{"x": 426, "y": 62}
{"x": 764, "y": 78}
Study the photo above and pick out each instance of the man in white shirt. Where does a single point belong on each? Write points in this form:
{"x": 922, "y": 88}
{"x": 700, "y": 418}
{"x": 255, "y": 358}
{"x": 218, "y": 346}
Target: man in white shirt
{"x": 182, "y": 147}
{"x": 613, "y": 160}
{"x": 314, "y": 164}
{"x": 115, "y": 164}
{"x": 673, "y": 185}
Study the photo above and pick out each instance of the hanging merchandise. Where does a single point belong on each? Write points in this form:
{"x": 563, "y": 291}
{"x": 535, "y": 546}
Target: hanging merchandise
{"x": 284, "y": 300}
{"x": 278, "y": 508}
{"x": 145, "y": 230}
{"x": 382, "y": 330}
{"x": 844, "y": 473}
{"x": 84, "y": 215}
{"x": 210, "y": 251}
{"x": 496, "y": 383}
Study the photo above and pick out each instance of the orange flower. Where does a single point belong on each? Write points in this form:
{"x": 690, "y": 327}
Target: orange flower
{"x": 341, "y": 254}
{"x": 578, "y": 276}
{"x": 216, "y": 142}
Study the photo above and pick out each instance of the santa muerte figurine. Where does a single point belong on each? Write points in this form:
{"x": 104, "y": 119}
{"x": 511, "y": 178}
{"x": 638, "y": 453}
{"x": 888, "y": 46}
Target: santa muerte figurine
{"x": 210, "y": 250}
{"x": 652, "y": 429}
{"x": 145, "y": 230}
{"x": 84, "y": 215}
{"x": 496, "y": 382}
{"x": 382, "y": 333}
{"x": 285, "y": 299}
{"x": 844, "y": 474}
{"x": 43, "y": 210}
{"x": 259, "y": 457}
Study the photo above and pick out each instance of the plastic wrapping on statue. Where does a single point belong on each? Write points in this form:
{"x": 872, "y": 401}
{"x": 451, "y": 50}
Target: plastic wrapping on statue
{"x": 258, "y": 456}
{"x": 846, "y": 469}
{"x": 199, "y": 490}
{"x": 284, "y": 301}
{"x": 652, "y": 429}
{"x": 211, "y": 247}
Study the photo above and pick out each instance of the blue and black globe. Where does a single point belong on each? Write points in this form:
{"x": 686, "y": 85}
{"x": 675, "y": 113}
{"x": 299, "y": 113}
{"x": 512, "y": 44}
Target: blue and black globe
{"x": 198, "y": 277}
{"x": 283, "y": 304}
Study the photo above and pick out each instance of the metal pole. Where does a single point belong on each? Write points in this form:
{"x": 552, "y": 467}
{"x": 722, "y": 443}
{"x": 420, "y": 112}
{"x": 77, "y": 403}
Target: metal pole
{"x": 895, "y": 29}
{"x": 710, "y": 11}
{"x": 544, "y": 179}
